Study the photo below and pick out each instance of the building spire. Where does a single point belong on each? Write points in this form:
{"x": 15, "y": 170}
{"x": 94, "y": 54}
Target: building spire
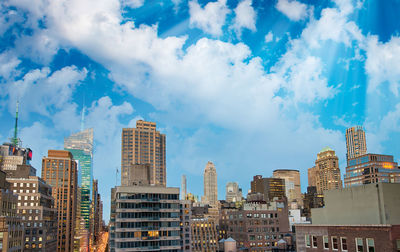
{"x": 83, "y": 118}
{"x": 15, "y": 140}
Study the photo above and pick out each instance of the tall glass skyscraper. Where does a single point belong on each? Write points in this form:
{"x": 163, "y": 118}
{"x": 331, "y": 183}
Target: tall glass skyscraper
{"x": 81, "y": 146}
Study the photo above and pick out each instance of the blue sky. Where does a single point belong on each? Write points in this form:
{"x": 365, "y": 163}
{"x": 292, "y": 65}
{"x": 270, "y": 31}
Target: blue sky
{"x": 253, "y": 86}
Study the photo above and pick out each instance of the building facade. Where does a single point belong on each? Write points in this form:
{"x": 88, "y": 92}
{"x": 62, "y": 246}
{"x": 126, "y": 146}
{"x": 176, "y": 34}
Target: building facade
{"x": 312, "y": 199}
{"x": 186, "y": 216}
{"x": 145, "y": 218}
{"x": 257, "y": 226}
{"x": 204, "y": 234}
{"x": 36, "y": 208}
{"x": 355, "y": 142}
{"x": 11, "y": 227}
{"x": 325, "y": 175}
{"x": 81, "y": 146}
{"x": 210, "y": 184}
{"x": 233, "y": 192}
{"x": 144, "y": 145}
{"x": 270, "y": 188}
{"x": 371, "y": 169}
{"x": 292, "y": 186}
{"x": 332, "y": 238}
{"x": 59, "y": 170}
{"x": 183, "y": 187}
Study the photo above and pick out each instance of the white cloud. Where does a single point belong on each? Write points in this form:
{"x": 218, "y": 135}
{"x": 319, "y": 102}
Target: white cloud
{"x": 245, "y": 17}
{"x": 294, "y": 10}
{"x": 8, "y": 65}
{"x": 132, "y": 3}
{"x": 40, "y": 90}
{"x": 269, "y": 37}
{"x": 211, "y": 18}
{"x": 382, "y": 64}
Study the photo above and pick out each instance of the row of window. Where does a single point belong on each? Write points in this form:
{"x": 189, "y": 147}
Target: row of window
{"x": 311, "y": 241}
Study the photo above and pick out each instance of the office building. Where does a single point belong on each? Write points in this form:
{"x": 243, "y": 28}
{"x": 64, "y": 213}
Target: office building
{"x": 81, "y": 146}
{"x": 183, "y": 187}
{"x": 233, "y": 192}
{"x": 145, "y": 218}
{"x": 138, "y": 174}
{"x": 361, "y": 218}
{"x": 11, "y": 228}
{"x": 96, "y": 217}
{"x": 35, "y": 206}
{"x": 210, "y": 184}
{"x": 312, "y": 199}
{"x": 186, "y": 216}
{"x": 292, "y": 186}
{"x": 204, "y": 234}
{"x": 355, "y": 142}
{"x": 269, "y": 188}
{"x": 144, "y": 145}
{"x": 257, "y": 226}
{"x": 370, "y": 169}
{"x": 325, "y": 175}
{"x": 59, "y": 170}
{"x": 16, "y": 158}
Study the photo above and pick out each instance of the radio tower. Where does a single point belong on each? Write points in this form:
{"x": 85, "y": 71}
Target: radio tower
{"x": 15, "y": 140}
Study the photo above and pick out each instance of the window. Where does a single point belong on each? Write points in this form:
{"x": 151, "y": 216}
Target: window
{"x": 398, "y": 245}
{"x": 359, "y": 245}
{"x": 335, "y": 243}
{"x": 308, "y": 242}
{"x": 326, "y": 242}
{"x": 314, "y": 242}
{"x": 343, "y": 241}
{"x": 371, "y": 245}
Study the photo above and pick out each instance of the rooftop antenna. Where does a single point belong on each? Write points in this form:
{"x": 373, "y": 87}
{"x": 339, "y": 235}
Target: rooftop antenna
{"x": 116, "y": 176}
{"x": 15, "y": 140}
{"x": 83, "y": 115}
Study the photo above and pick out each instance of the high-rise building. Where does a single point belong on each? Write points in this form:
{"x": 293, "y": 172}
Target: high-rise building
{"x": 292, "y": 186}
{"x": 371, "y": 169}
{"x": 183, "y": 187}
{"x": 138, "y": 174}
{"x": 268, "y": 187}
{"x": 204, "y": 234}
{"x": 325, "y": 175}
{"x": 36, "y": 207}
{"x": 144, "y": 145}
{"x": 210, "y": 184}
{"x": 355, "y": 142}
{"x": 11, "y": 228}
{"x": 186, "y": 215}
{"x": 81, "y": 146}
{"x": 145, "y": 218}
{"x": 59, "y": 170}
{"x": 233, "y": 192}
{"x": 95, "y": 217}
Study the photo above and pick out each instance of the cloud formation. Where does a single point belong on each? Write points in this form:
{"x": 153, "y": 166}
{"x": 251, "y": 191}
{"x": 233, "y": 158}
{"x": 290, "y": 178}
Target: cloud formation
{"x": 293, "y": 9}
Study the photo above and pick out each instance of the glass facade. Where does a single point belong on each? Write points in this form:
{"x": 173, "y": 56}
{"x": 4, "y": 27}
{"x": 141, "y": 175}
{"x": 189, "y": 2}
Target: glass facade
{"x": 81, "y": 146}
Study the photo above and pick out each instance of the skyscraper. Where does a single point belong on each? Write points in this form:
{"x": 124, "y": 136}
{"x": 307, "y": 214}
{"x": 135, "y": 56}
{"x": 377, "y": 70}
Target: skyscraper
{"x": 325, "y": 175}
{"x": 268, "y": 187}
{"x": 371, "y": 169}
{"x": 59, "y": 170}
{"x": 233, "y": 192}
{"x": 183, "y": 187}
{"x": 292, "y": 186}
{"x": 355, "y": 142}
{"x": 81, "y": 146}
{"x": 144, "y": 145}
{"x": 210, "y": 184}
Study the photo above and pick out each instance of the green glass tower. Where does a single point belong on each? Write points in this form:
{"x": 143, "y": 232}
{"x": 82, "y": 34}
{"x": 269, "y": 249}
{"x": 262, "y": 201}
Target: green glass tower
{"x": 81, "y": 146}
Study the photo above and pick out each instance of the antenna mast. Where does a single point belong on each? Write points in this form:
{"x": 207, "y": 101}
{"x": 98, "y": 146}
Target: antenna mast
{"x": 15, "y": 140}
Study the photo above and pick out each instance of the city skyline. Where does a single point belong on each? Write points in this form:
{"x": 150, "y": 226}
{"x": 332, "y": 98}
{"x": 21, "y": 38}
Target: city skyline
{"x": 257, "y": 87}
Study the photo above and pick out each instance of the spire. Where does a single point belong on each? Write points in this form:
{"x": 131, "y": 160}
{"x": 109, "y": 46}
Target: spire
{"x": 15, "y": 140}
{"x": 83, "y": 118}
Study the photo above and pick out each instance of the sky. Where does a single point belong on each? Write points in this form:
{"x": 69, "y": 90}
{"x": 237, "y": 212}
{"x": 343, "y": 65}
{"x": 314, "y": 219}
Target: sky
{"x": 251, "y": 85}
